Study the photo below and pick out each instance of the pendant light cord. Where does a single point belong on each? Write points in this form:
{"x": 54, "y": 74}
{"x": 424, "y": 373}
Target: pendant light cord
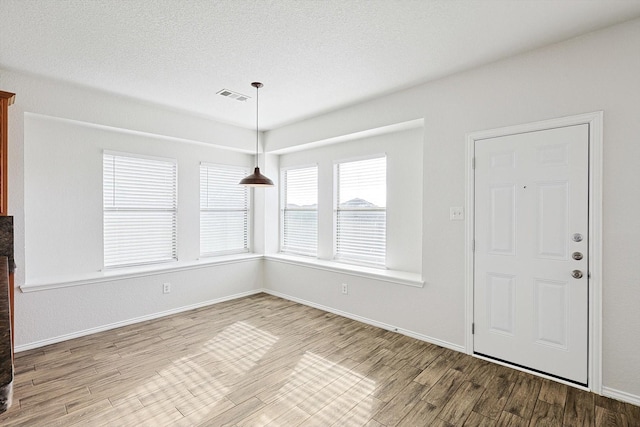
{"x": 257, "y": 131}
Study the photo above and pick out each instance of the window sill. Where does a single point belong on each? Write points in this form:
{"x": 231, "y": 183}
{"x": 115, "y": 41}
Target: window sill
{"x": 392, "y": 276}
{"x": 133, "y": 272}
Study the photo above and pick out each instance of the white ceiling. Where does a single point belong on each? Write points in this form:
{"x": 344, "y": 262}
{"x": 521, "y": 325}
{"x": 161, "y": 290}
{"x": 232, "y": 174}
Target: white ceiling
{"x": 312, "y": 56}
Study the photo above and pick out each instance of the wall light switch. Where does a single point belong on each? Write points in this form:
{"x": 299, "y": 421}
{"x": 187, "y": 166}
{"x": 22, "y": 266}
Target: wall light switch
{"x": 456, "y": 213}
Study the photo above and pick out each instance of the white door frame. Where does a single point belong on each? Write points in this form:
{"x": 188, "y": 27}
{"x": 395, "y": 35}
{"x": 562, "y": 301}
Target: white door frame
{"x": 595, "y": 121}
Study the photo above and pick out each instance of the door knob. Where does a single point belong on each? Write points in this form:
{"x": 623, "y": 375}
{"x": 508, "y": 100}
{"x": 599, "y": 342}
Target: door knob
{"x": 576, "y": 274}
{"x": 577, "y": 256}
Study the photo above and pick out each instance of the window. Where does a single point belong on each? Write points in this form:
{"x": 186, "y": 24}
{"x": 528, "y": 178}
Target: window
{"x": 361, "y": 200}
{"x": 224, "y": 210}
{"x": 140, "y": 209}
{"x": 300, "y": 211}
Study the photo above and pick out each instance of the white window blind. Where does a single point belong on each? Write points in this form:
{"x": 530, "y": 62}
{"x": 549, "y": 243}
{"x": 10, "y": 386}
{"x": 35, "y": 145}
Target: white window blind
{"x": 300, "y": 211}
{"x": 224, "y": 210}
{"x": 140, "y": 210}
{"x": 361, "y": 200}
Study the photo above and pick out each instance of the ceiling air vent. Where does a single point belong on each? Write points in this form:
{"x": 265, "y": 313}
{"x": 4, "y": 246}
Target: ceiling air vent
{"x": 232, "y": 95}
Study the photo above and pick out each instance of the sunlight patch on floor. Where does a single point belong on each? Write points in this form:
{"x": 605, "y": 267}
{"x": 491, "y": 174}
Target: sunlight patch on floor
{"x": 239, "y": 347}
{"x": 193, "y": 385}
{"x": 320, "y": 387}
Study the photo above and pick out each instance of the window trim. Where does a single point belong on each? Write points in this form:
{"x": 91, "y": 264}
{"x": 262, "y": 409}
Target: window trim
{"x": 117, "y": 274}
{"x": 399, "y": 277}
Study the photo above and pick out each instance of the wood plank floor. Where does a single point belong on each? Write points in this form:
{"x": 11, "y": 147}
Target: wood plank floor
{"x": 265, "y": 361}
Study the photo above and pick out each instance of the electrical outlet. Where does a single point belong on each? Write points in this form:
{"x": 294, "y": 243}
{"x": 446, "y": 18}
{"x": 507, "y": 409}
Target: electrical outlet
{"x": 166, "y": 288}
{"x": 345, "y": 288}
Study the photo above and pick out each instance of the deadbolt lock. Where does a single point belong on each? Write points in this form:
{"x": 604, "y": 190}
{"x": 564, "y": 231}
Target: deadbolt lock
{"x": 577, "y": 256}
{"x": 576, "y": 274}
{"x": 577, "y": 237}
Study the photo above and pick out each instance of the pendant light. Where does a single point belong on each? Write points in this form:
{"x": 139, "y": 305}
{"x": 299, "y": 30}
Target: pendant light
{"x": 256, "y": 179}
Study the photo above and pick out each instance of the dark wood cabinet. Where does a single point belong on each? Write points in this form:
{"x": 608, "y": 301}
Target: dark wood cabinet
{"x": 6, "y": 99}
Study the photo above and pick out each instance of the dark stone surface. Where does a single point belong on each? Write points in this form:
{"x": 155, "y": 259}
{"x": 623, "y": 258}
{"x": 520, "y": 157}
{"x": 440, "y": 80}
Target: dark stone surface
{"x": 6, "y": 240}
{"x": 6, "y": 396}
{"x": 6, "y": 359}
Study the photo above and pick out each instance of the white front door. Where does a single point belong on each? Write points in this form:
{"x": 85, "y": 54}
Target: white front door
{"x": 530, "y": 273}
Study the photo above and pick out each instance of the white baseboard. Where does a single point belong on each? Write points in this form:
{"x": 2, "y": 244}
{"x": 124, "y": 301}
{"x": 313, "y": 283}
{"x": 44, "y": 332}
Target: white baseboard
{"x": 368, "y": 321}
{"x": 127, "y": 322}
{"x": 621, "y": 395}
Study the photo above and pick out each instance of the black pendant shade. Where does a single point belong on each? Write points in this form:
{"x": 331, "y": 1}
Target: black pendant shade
{"x": 256, "y": 179}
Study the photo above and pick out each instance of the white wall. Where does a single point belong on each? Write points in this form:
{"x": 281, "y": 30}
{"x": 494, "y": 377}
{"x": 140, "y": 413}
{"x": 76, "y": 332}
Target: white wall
{"x": 63, "y": 192}
{"x": 44, "y": 317}
{"x": 598, "y": 71}
{"x": 57, "y": 133}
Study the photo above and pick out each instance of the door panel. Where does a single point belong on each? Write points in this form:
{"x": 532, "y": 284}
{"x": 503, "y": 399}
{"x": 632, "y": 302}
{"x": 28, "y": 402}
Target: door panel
{"x": 531, "y": 197}
{"x": 552, "y": 221}
{"x": 551, "y": 312}
{"x": 503, "y": 212}
{"x": 501, "y": 303}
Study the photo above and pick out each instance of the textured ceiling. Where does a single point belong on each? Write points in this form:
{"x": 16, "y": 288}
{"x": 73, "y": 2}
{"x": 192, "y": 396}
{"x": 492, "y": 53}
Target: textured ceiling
{"x": 312, "y": 56}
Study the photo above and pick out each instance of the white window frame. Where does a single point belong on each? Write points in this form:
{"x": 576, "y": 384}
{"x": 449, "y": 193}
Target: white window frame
{"x": 239, "y": 173}
{"x": 123, "y": 243}
{"x": 283, "y": 211}
{"x": 356, "y": 258}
